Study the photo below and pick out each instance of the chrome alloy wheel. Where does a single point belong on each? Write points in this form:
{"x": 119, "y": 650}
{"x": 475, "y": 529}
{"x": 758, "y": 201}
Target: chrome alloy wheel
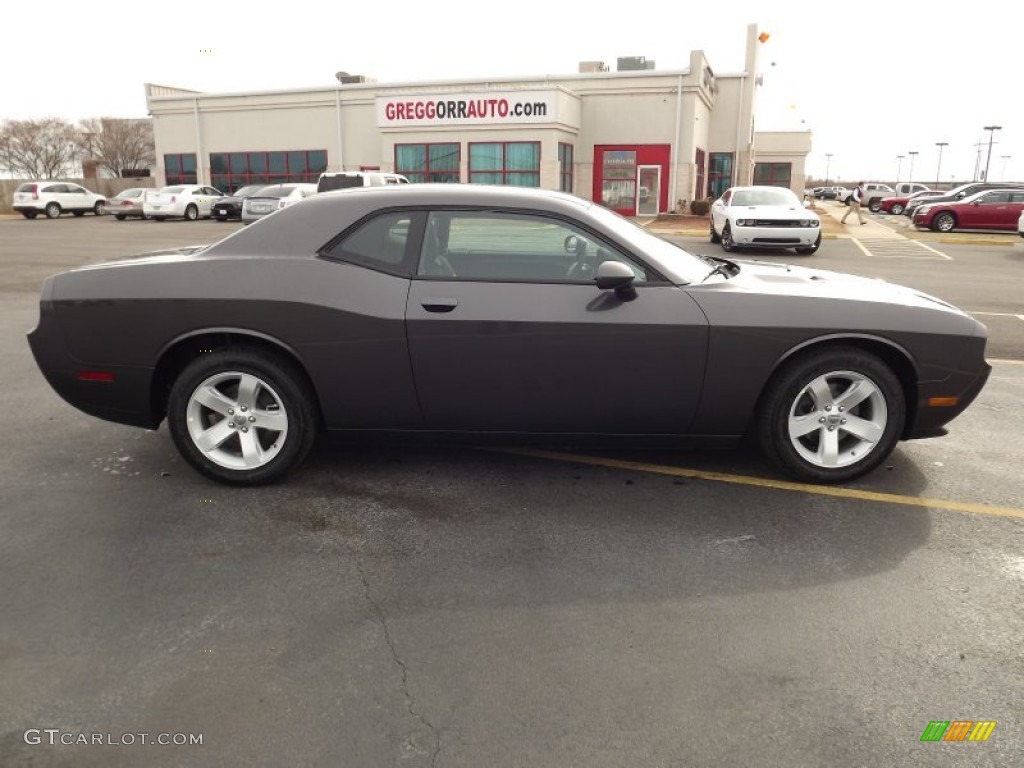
{"x": 837, "y": 419}
{"x": 237, "y": 420}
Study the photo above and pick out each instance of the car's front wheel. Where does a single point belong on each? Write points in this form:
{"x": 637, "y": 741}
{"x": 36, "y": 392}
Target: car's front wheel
{"x": 807, "y": 250}
{"x": 831, "y": 415}
{"x": 944, "y": 222}
{"x": 727, "y": 242}
{"x": 242, "y": 416}
{"x": 897, "y": 209}
{"x": 100, "y": 208}
{"x": 53, "y": 210}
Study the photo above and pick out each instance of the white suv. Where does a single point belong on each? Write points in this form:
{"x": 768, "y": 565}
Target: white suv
{"x": 56, "y": 197}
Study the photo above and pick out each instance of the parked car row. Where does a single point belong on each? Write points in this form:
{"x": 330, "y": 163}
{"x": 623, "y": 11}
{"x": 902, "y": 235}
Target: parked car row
{"x": 998, "y": 209}
{"x": 185, "y": 201}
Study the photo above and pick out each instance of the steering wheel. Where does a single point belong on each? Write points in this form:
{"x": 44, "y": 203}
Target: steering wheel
{"x": 444, "y": 267}
{"x": 583, "y": 267}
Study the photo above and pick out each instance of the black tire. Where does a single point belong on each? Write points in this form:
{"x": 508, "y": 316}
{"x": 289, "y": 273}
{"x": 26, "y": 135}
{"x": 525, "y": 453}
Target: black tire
{"x": 191, "y": 213}
{"x": 875, "y": 205}
{"x": 282, "y": 386}
{"x": 120, "y": 216}
{"x": 727, "y": 242}
{"x": 944, "y": 222}
{"x": 53, "y": 210}
{"x": 159, "y": 218}
{"x": 788, "y": 393}
{"x": 100, "y": 209}
{"x": 807, "y": 250}
{"x": 897, "y": 209}
{"x": 714, "y": 235}
{"x": 78, "y": 214}
{"x": 29, "y": 214}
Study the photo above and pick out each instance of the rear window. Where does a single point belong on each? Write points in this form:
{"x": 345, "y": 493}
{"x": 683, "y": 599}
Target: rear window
{"x": 327, "y": 183}
{"x": 275, "y": 192}
{"x": 26, "y": 188}
{"x": 132, "y": 193}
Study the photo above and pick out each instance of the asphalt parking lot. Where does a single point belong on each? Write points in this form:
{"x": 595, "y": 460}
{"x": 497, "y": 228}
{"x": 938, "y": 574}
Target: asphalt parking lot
{"x": 464, "y": 607}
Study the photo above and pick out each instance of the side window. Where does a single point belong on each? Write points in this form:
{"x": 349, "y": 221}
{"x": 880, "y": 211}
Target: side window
{"x": 995, "y": 198}
{"x": 56, "y": 188}
{"x": 521, "y": 247}
{"x": 379, "y": 243}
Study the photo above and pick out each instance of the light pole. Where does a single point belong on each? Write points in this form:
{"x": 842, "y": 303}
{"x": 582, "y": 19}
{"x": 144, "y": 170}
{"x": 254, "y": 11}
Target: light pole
{"x": 991, "y": 132}
{"x": 1005, "y": 158}
{"x": 940, "y": 145}
{"x": 910, "y": 176}
{"x": 899, "y": 167}
{"x": 828, "y": 162}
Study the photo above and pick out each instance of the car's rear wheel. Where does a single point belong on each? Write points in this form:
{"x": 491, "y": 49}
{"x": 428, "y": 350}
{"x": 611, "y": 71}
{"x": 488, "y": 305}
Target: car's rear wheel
{"x": 120, "y": 216}
{"x": 160, "y": 218}
{"x": 832, "y": 415}
{"x": 29, "y": 214}
{"x": 53, "y": 210}
{"x": 807, "y": 250}
{"x": 79, "y": 214}
{"x": 191, "y": 213}
{"x": 875, "y": 206}
{"x": 727, "y": 241}
{"x": 242, "y": 416}
{"x": 714, "y": 235}
{"x": 100, "y": 208}
{"x": 944, "y": 222}
{"x": 897, "y": 209}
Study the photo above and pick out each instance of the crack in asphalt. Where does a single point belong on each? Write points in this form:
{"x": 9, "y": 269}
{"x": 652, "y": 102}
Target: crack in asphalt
{"x": 409, "y": 700}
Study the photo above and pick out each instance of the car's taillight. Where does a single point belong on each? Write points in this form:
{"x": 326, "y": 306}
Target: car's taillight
{"x": 35, "y": 191}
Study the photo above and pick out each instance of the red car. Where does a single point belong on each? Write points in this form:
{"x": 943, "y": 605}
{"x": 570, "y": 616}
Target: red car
{"x": 992, "y": 209}
{"x": 896, "y": 205}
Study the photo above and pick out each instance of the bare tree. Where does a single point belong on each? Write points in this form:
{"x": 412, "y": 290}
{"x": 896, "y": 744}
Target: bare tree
{"x": 118, "y": 145}
{"x": 39, "y": 149}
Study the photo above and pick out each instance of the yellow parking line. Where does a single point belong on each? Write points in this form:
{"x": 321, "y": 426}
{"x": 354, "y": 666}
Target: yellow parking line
{"x": 780, "y": 485}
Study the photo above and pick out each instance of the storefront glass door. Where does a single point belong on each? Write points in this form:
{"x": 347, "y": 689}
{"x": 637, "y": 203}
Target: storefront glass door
{"x": 648, "y": 185}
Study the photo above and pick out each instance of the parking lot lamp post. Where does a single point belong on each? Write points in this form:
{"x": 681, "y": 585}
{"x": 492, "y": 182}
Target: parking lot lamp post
{"x": 991, "y": 132}
{"x": 828, "y": 162}
{"x": 899, "y": 167}
{"x": 910, "y": 176}
{"x": 938, "y": 169}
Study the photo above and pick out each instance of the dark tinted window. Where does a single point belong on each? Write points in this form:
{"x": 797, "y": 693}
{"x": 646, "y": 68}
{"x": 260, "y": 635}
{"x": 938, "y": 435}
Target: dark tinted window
{"x": 379, "y": 243}
{"x": 328, "y": 183}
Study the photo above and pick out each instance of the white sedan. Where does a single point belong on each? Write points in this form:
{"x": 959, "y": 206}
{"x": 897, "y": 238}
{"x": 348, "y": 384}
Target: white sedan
{"x": 274, "y": 198}
{"x": 764, "y": 217}
{"x": 182, "y": 201}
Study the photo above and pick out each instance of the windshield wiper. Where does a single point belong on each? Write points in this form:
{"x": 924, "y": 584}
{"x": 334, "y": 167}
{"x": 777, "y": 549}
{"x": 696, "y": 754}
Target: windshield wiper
{"x": 721, "y": 267}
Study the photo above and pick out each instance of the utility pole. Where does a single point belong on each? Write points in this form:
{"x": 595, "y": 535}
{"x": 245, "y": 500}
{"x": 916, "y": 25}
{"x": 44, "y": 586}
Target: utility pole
{"x": 910, "y": 176}
{"x": 899, "y": 167}
{"x": 938, "y": 169}
{"x": 991, "y": 132}
{"x": 828, "y": 162}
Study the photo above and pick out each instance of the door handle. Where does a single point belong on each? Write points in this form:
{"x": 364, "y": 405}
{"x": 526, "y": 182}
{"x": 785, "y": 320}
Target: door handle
{"x": 439, "y": 305}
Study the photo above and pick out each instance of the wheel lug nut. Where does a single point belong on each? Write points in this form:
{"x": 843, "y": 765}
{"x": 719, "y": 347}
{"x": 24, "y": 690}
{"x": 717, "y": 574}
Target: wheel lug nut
{"x": 231, "y": 411}
{"x": 832, "y": 427}
{"x": 231, "y": 425}
{"x": 245, "y": 429}
{"x": 821, "y": 420}
{"x": 244, "y": 408}
{"x": 840, "y": 409}
{"x": 828, "y": 407}
{"x": 842, "y": 421}
{"x": 253, "y": 418}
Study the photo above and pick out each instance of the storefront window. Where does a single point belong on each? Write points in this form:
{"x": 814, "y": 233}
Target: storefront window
{"x": 435, "y": 163}
{"x": 719, "y": 174}
{"x": 180, "y": 168}
{"x": 773, "y": 174}
{"x": 618, "y": 188}
{"x": 515, "y": 163}
{"x": 231, "y": 170}
{"x": 565, "y": 164}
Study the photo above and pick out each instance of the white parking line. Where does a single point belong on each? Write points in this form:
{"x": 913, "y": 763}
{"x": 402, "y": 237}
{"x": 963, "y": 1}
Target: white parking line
{"x": 999, "y": 314}
{"x": 898, "y": 248}
{"x": 929, "y": 248}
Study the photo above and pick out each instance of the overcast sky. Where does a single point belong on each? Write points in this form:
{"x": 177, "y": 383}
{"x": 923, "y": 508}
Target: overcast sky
{"x": 870, "y": 81}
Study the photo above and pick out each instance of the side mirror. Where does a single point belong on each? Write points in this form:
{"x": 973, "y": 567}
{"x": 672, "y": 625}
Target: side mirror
{"x": 614, "y": 275}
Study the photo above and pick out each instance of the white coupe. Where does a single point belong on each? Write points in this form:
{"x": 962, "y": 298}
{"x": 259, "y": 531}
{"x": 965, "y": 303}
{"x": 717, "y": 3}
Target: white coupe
{"x": 764, "y": 217}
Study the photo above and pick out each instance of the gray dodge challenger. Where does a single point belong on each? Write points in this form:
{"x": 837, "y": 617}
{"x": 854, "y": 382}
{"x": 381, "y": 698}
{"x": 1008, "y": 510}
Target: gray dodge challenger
{"x": 496, "y": 313}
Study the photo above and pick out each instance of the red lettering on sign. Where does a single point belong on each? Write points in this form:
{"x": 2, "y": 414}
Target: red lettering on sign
{"x": 389, "y": 111}
{"x": 502, "y": 108}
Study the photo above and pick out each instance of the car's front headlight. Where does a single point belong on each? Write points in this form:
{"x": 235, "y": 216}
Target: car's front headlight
{"x": 744, "y": 222}
{"x": 810, "y": 223}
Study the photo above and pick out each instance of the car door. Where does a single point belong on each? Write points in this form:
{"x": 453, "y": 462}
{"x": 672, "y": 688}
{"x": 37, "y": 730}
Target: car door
{"x": 509, "y": 333}
{"x": 983, "y": 212}
{"x": 76, "y": 198}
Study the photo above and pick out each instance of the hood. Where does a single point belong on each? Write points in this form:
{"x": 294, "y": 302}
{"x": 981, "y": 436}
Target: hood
{"x": 788, "y": 280}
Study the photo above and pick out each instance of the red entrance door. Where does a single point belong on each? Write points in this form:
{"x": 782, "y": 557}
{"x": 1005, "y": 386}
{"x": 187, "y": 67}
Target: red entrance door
{"x": 615, "y": 174}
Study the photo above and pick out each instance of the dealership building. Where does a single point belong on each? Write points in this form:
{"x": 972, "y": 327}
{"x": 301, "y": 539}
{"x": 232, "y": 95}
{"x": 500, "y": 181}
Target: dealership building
{"x": 638, "y": 139}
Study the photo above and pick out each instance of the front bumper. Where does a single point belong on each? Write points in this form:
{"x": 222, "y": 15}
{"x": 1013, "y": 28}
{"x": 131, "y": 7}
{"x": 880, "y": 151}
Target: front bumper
{"x": 775, "y": 237}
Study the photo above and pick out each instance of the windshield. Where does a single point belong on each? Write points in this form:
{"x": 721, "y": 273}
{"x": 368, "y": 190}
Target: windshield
{"x": 765, "y": 196}
{"x": 668, "y": 257}
{"x": 131, "y": 193}
{"x": 279, "y": 191}
{"x": 248, "y": 191}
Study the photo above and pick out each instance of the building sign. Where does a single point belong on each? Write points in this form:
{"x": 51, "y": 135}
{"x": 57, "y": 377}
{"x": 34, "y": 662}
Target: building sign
{"x": 484, "y": 108}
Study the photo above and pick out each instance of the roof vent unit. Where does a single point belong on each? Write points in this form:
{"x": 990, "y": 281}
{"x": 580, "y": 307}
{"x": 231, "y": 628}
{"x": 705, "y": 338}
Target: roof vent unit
{"x": 593, "y": 66}
{"x": 634, "y": 63}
